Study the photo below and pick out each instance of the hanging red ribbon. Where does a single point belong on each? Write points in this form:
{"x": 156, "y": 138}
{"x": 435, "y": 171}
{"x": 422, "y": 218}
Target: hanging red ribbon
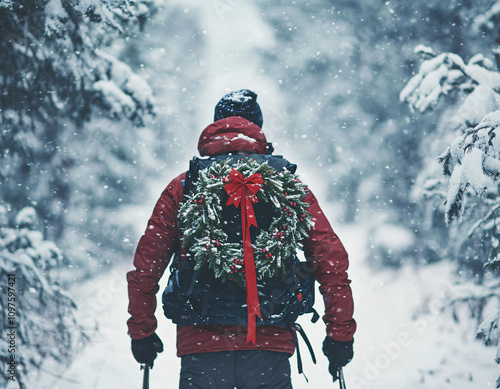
{"x": 242, "y": 191}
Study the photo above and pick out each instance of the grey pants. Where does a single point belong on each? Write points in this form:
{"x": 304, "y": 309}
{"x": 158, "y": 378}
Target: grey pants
{"x": 246, "y": 369}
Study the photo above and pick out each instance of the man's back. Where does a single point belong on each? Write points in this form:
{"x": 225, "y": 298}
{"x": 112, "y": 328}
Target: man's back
{"x": 233, "y": 133}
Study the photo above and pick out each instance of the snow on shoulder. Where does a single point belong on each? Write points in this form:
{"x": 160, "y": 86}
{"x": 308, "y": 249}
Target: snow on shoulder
{"x": 245, "y": 137}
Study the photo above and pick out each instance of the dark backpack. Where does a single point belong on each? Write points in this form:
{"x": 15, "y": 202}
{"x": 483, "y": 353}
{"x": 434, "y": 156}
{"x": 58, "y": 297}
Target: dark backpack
{"x": 197, "y": 297}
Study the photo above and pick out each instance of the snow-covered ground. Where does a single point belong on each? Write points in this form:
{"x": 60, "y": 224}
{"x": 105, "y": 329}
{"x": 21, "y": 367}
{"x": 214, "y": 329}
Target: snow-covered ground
{"x": 394, "y": 348}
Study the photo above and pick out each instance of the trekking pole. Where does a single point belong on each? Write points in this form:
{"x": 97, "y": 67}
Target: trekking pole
{"x": 145, "y": 381}
{"x": 340, "y": 377}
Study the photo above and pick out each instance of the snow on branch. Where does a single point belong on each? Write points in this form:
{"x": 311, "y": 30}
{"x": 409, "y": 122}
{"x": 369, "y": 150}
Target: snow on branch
{"x": 485, "y": 296}
{"x": 488, "y": 21}
{"x": 124, "y": 92}
{"x": 435, "y": 78}
{"x": 445, "y": 73}
{"x": 6, "y": 4}
{"x": 488, "y": 327}
{"x": 473, "y": 162}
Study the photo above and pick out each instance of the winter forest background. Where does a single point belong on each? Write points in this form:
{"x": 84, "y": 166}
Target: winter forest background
{"x": 390, "y": 109}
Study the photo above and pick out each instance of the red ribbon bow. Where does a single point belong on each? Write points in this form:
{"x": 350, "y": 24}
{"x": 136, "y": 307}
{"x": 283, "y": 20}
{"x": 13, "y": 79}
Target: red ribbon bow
{"x": 242, "y": 191}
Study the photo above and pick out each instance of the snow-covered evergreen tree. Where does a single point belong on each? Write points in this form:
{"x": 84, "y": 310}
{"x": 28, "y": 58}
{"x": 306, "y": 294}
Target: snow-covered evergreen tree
{"x": 56, "y": 73}
{"x": 471, "y": 160}
{"x": 38, "y": 313}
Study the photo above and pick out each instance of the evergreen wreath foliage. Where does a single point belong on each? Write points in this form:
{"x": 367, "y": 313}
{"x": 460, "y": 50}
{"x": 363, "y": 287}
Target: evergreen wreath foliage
{"x": 200, "y": 218}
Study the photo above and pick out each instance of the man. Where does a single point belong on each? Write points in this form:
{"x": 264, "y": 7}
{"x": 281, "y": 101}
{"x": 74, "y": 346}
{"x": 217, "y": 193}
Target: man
{"x": 220, "y": 356}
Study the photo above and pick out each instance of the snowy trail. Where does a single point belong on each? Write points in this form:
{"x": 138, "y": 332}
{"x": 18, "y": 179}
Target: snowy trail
{"x": 392, "y": 350}
{"x": 234, "y": 35}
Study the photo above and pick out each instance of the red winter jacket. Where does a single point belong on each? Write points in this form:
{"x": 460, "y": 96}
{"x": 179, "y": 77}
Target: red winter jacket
{"x": 161, "y": 239}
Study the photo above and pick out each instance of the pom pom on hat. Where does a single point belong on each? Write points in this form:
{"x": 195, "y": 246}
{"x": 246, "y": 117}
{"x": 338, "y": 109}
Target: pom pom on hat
{"x": 241, "y": 103}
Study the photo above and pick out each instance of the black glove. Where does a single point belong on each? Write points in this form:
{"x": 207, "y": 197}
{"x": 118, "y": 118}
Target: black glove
{"x": 338, "y": 353}
{"x": 145, "y": 350}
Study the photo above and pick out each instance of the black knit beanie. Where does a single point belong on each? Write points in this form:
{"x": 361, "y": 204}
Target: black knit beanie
{"x": 239, "y": 103}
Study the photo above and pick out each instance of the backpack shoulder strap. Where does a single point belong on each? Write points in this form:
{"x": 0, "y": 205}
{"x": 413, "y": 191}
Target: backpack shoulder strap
{"x": 191, "y": 175}
{"x": 279, "y": 163}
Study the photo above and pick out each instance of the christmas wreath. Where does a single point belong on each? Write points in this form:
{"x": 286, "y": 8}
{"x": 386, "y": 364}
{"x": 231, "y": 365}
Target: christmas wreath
{"x": 248, "y": 182}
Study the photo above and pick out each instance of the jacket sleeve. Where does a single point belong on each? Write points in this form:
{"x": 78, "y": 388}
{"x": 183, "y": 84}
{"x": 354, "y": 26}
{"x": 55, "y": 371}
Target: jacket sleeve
{"x": 151, "y": 258}
{"x": 329, "y": 259}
